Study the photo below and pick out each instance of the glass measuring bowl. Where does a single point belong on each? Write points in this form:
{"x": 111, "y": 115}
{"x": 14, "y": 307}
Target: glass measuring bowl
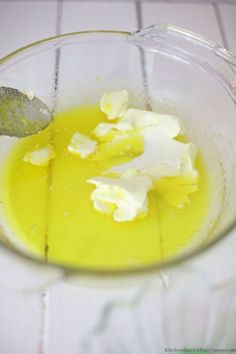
{"x": 166, "y": 69}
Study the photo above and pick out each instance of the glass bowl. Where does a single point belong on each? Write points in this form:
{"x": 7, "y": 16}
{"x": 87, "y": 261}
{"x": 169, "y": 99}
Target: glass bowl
{"x": 166, "y": 69}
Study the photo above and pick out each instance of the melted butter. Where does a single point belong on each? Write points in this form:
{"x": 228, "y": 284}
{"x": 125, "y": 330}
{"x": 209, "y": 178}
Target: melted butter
{"x": 50, "y": 206}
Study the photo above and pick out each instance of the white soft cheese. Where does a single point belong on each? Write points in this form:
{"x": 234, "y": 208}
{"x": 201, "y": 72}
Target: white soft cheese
{"x": 188, "y": 161}
{"x": 103, "y": 129}
{"x": 141, "y": 119}
{"x": 137, "y": 119}
{"x": 40, "y": 157}
{"x": 82, "y": 145}
{"x": 114, "y": 104}
{"x": 162, "y": 157}
{"x": 124, "y": 198}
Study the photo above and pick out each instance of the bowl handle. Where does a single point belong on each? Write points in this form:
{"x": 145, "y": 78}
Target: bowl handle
{"x": 189, "y": 46}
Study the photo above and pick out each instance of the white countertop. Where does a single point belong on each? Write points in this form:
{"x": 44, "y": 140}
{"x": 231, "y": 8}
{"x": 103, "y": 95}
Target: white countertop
{"x": 21, "y": 22}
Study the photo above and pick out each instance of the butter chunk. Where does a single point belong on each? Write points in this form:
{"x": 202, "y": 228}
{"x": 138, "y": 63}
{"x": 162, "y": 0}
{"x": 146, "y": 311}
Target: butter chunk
{"x": 114, "y": 104}
{"x": 125, "y": 199}
{"x": 81, "y": 145}
{"x": 40, "y": 157}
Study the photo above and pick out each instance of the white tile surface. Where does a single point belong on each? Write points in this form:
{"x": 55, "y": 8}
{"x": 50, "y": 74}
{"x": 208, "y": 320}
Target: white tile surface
{"x": 228, "y": 15}
{"x": 74, "y": 313}
{"x": 20, "y": 323}
{"x": 199, "y": 18}
{"x": 80, "y": 16}
{"x": 23, "y": 22}
{"x": 71, "y": 312}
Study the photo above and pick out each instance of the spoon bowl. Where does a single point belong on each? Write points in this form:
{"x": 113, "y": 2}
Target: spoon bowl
{"x": 22, "y": 114}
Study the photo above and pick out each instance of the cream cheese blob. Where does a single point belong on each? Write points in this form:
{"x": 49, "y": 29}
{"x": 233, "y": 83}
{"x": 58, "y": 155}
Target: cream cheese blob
{"x": 125, "y": 199}
{"x": 114, "y": 104}
{"x": 162, "y": 157}
{"x": 40, "y": 157}
{"x": 81, "y": 145}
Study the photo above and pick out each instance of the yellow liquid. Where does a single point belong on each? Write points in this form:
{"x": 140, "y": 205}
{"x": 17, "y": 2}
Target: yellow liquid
{"x": 50, "y": 210}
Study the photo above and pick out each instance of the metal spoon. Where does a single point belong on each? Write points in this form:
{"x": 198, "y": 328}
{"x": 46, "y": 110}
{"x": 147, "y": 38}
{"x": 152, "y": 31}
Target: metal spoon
{"x": 20, "y": 114}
